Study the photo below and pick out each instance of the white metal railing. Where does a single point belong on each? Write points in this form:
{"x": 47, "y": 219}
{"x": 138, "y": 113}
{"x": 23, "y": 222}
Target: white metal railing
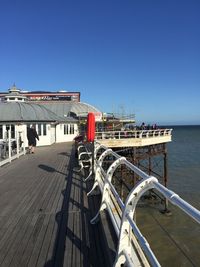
{"x": 133, "y": 134}
{"x": 84, "y": 159}
{"x": 12, "y": 148}
{"x": 122, "y": 213}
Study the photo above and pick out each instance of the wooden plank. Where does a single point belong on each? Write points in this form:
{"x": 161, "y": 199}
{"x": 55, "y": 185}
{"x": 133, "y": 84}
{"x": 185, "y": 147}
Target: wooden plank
{"x": 52, "y": 202}
{"x": 55, "y": 209}
{"x": 11, "y": 243}
{"x": 32, "y": 240}
{"x": 13, "y": 220}
{"x": 18, "y": 195}
{"x": 15, "y": 261}
{"x": 63, "y": 216}
{"x": 39, "y": 241}
{"x": 44, "y": 213}
{"x": 42, "y": 259}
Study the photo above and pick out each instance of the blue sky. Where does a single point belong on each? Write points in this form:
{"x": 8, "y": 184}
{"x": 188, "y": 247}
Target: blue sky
{"x": 132, "y": 56}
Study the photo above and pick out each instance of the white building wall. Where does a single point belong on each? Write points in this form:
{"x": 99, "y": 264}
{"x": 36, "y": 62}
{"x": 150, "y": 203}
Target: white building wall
{"x": 53, "y": 133}
{"x": 44, "y": 140}
{"x": 63, "y": 133}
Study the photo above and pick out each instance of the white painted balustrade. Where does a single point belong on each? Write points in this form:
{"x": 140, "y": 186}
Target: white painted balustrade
{"x": 133, "y": 248}
{"x": 132, "y": 134}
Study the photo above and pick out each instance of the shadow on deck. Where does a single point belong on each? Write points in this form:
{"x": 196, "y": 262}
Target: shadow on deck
{"x": 45, "y": 214}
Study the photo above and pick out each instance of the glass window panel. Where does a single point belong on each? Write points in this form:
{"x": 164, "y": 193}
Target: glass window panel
{"x": 65, "y": 129}
{"x": 1, "y": 131}
{"x": 12, "y": 131}
{"x": 39, "y": 129}
{"x": 44, "y": 129}
{"x": 71, "y": 128}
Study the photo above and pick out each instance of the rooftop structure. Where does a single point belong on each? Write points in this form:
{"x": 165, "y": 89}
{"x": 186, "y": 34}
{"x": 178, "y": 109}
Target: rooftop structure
{"x": 16, "y": 94}
{"x": 60, "y": 105}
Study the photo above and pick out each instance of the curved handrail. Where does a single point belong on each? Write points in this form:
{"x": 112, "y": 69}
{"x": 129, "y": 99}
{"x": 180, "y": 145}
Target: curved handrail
{"x": 123, "y": 223}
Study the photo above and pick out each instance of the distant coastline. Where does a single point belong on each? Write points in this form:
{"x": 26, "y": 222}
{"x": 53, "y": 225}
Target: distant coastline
{"x": 179, "y": 125}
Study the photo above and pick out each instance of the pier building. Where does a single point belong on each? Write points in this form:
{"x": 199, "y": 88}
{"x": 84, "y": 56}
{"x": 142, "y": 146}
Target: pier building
{"x": 61, "y": 116}
{"x": 56, "y": 115}
{"x": 14, "y": 94}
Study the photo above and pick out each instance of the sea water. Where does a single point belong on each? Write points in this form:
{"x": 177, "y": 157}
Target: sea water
{"x": 175, "y": 239}
{"x": 184, "y": 163}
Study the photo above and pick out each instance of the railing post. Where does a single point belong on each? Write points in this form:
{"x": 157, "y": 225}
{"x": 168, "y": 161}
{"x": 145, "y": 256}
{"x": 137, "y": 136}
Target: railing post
{"x": 166, "y": 210}
{"x": 24, "y": 148}
{"x": 93, "y": 148}
{"x": 17, "y": 143}
{"x": 9, "y": 145}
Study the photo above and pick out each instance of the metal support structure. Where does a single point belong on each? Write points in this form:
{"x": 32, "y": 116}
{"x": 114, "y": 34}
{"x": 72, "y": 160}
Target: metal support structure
{"x": 166, "y": 210}
{"x": 145, "y": 158}
{"x": 165, "y": 166}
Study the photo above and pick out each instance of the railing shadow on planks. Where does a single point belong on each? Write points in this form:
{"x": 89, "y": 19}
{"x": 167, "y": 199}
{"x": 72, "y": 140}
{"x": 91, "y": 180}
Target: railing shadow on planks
{"x": 133, "y": 249}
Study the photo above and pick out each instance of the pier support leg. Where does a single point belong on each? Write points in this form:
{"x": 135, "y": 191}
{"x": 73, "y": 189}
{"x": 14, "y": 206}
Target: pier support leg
{"x": 166, "y": 210}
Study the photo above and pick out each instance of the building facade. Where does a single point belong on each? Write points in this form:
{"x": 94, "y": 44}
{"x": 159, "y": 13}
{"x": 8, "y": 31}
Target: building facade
{"x": 56, "y": 116}
{"x": 38, "y": 95}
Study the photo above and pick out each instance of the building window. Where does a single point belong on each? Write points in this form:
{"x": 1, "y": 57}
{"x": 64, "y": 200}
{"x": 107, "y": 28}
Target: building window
{"x": 71, "y": 128}
{"x": 44, "y": 129}
{"x": 12, "y": 130}
{"x": 1, "y": 131}
{"x": 39, "y": 129}
{"x": 66, "y": 129}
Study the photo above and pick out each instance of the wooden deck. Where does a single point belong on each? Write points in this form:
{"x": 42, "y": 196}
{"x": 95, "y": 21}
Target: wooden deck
{"x": 45, "y": 213}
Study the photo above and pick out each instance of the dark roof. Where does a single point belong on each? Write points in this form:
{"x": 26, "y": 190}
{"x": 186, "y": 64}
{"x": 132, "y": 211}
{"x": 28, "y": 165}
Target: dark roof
{"x": 63, "y": 109}
{"x": 44, "y": 111}
{"x": 22, "y": 111}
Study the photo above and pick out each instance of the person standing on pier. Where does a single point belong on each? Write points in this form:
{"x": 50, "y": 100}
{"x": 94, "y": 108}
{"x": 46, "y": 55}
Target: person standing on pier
{"x": 143, "y": 126}
{"x": 32, "y": 136}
